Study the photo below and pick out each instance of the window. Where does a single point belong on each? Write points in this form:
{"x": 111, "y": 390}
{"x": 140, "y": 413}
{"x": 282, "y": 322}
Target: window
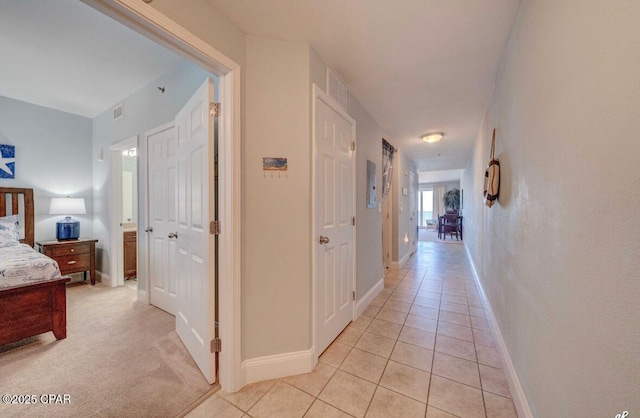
{"x": 426, "y": 207}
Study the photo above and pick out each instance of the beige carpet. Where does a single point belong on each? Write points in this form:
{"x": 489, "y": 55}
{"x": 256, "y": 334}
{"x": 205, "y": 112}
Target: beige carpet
{"x": 432, "y": 236}
{"x": 120, "y": 359}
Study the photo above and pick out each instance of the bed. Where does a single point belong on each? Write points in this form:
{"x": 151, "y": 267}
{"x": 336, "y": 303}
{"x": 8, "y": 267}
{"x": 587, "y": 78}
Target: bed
{"x": 33, "y": 296}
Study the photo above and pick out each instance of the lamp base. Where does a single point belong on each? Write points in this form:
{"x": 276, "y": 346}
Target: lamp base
{"x": 67, "y": 229}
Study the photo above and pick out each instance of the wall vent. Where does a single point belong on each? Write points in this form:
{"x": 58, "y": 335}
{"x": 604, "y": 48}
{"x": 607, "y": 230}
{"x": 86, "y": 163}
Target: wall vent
{"x": 336, "y": 88}
{"x": 117, "y": 112}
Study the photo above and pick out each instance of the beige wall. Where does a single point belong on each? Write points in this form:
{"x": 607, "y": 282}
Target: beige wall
{"x": 276, "y": 287}
{"x": 558, "y": 255}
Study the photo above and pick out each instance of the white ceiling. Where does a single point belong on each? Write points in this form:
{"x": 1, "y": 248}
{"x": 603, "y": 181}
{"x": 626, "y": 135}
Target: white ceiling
{"x": 415, "y": 65}
{"x": 440, "y": 176}
{"x": 65, "y": 55}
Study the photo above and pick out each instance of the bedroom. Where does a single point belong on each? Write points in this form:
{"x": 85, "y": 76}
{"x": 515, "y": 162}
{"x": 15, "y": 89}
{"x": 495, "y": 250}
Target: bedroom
{"x": 65, "y": 153}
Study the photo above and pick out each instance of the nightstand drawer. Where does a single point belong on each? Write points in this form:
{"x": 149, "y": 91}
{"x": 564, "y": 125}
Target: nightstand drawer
{"x": 73, "y": 263}
{"x": 69, "y": 249}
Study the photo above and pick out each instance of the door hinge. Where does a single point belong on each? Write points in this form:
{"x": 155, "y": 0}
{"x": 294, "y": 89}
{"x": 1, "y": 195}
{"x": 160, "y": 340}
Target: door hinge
{"x": 214, "y": 228}
{"x": 214, "y": 109}
{"x": 353, "y": 145}
{"x": 354, "y": 295}
{"x": 216, "y": 345}
{"x": 353, "y": 221}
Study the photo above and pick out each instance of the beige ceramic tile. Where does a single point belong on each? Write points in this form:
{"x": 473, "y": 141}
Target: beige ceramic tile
{"x": 455, "y": 331}
{"x": 350, "y": 336}
{"x": 455, "y": 347}
{"x": 454, "y": 299}
{"x": 488, "y": 355}
{"x": 412, "y": 355}
{"x": 365, "y": 365}
{"x": 455, "y": 368}
{"x": 348, "y": 393}
{"x": 477, "y": 302}
{"x": 406, "y": 380}
{"x": 248, "y": 395}
{"x": 456, "y": 290}
{"x": 480, "y": 323}
{"x": 456, "y": 398}
{"x": 379, "y": 300}
{"x": 401, "y": 297}
{"x": 397, "y": 305}
{"x": 215, "y": 407}
{"x": 483, "y": 337}
{"x": 335, "y": 354}
{"x": 321, "y": 409}
{"x": 376, "y": 344}
{"x": 282, "y": 401}
{"x": 361, "y": 323}
{"x": 424, "y": 311}
{"x": 437, "y": 413}
{"x": 455, "y": 318}
{"x": 424, "y": 339}
{"x": 420, "y": 322}
{"x": 313, "y": 382}
{"x": 371, "y": 311}
{"x": 475, "y": 311}
{"x": 499, "y": 407}
{"x": 392, "y": 316}
{"x": 427, "y": 302}
{"x": 454, "y": 307}
{"x": 385, "y": 328}
{"x": 430, "y": 294}
{"x": 494, "y": 381}
{"x": 386, "y": 404}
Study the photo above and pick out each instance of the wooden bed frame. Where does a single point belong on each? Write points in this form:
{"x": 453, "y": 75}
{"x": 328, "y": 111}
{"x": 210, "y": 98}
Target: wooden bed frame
{"x": 30, "y": 310}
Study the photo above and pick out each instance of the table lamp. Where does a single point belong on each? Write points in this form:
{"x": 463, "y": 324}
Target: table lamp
{"x": 67, "y": 228}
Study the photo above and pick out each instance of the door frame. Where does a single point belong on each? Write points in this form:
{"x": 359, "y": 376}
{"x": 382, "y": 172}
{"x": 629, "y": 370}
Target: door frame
{"x": 151, "y": 23}
{"x": 115, "y": 208}
{"x": 319, "y": 94}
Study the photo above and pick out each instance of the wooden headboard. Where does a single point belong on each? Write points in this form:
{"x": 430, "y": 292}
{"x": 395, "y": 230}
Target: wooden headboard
{"x": 10, "y": 199}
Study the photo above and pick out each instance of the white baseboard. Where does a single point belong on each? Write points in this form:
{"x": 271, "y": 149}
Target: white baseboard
{"x": 105, "y": 279}
{"x": 399, "y": 264}
{"x": 519, "y": 399}
{"x": 365, "y": 300}
{"x": 278, "y": 365}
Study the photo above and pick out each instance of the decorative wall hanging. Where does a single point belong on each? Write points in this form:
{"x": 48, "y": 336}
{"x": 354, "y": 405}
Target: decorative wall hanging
{"x": 7, "y": 161}
{"x": 492, "y": 176}
{"x": 274, "y": 164}
{"x": 387, "y": 168}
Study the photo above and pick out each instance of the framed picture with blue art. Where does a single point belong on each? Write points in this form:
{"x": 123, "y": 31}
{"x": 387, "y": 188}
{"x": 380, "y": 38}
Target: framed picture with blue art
{"x": 7, "y": 161}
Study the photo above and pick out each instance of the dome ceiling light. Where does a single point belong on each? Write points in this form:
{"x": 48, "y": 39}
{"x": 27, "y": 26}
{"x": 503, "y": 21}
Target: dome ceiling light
{"x": 432, "y": 137}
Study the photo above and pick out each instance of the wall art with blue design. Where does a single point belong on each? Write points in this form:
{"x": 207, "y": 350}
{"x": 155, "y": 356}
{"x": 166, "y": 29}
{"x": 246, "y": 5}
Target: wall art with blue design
{"x": 7, "y": 162}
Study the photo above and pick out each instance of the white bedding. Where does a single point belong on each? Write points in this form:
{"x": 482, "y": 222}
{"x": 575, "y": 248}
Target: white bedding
{"x": 21, "y": 265}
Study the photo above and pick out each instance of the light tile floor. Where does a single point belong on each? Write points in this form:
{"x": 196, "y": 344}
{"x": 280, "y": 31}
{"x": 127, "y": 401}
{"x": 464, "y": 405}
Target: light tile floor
{"x": 423, "y": 348}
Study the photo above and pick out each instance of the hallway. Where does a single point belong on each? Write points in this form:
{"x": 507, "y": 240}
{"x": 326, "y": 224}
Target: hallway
{"x": 422, "y": 348}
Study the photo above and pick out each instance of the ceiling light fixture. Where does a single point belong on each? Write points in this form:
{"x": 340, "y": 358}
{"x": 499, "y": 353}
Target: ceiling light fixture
{"x": 433, "y": 137}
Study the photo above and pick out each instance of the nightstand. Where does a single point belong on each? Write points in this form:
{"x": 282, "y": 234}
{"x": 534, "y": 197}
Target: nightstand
{"x": 73, "y": 256}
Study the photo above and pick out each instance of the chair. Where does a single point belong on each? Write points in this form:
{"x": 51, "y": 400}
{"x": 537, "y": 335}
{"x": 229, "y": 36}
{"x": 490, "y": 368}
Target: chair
{"x": 450, "y": 225}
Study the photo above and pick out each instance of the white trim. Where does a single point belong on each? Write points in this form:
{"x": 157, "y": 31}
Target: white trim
{"x": 519, "y": 398}
{"x": 279, "y": 365}
{"x": 365, "y": 300}
{"x": 398, "y": 264}
{"x": 115, "y": 208}
{"x": 146, "y": 20}
{"x": 319, "y": 94}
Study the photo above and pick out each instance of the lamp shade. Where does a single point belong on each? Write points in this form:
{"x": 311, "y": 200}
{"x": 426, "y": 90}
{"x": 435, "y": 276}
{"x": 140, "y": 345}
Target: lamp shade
{"x": 67, "y": 206}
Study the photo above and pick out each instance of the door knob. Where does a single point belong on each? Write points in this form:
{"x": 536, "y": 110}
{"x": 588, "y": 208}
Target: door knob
{"x": 324, "y": 240}
{"x": 173, "y": 235}
{"x": 150, "y": 229}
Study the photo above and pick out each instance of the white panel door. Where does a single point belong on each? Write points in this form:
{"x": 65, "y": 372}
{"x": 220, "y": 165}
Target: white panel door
{"x": 334, "y": 216}
{"x": 195, "y": 315}
{"x": 162, "y": 149}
